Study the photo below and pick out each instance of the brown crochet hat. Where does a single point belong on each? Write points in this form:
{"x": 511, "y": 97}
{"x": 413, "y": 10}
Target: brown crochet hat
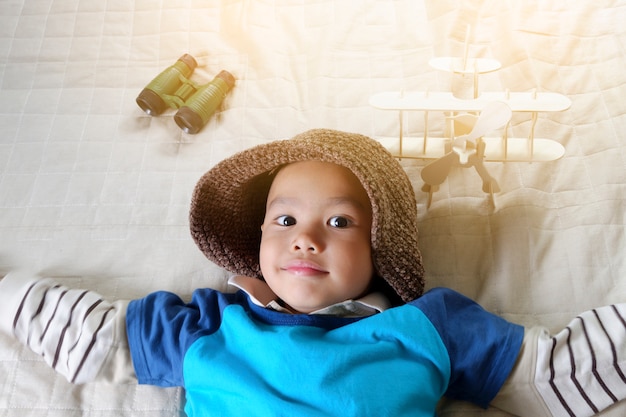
{"x": 228, "y": 204}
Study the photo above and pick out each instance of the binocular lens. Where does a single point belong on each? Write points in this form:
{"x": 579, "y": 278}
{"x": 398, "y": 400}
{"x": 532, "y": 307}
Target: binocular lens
{"x": 188, "y": 120}
{"x": 151, "y": 102}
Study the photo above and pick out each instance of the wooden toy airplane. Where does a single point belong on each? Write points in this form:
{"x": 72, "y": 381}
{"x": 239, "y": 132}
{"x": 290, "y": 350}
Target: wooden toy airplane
{"x": 464, "y": 143}
{"x": 500, "y": 149}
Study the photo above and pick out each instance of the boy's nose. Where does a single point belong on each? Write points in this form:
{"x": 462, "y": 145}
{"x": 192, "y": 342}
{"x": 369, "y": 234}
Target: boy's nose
{"x": 307, "y": 241}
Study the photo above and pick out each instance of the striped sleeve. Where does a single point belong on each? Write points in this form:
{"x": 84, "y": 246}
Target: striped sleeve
{"x": 579, "y": 371}
{"x": 77, "y": 333}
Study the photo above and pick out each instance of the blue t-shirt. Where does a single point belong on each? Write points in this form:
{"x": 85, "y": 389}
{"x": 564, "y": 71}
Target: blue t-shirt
{"x": 236, "y": 358}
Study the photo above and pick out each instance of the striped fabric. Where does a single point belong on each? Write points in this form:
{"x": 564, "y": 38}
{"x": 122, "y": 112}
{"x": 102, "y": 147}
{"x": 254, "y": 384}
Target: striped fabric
{"x": 581, "y": 370}
{"x": 71, "y": 329}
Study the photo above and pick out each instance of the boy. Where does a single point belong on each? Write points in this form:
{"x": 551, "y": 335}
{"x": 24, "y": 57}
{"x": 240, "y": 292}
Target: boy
{"x": 331, "y": 318}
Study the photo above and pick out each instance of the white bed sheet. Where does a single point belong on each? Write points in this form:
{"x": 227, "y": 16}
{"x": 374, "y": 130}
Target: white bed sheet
{"x": 95, "y": 192}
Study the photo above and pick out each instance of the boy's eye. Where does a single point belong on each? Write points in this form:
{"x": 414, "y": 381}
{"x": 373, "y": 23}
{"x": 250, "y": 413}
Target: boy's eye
{"x": 338, "y": 221}
{"x": 286, "y": 220}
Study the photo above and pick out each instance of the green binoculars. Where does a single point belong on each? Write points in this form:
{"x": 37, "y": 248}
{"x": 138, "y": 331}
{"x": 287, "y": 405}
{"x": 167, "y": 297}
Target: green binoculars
{"x": 195, "y": 103}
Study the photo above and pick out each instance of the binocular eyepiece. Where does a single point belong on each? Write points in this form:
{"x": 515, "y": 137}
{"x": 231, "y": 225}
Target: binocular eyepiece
{"x": 195, "y": 103}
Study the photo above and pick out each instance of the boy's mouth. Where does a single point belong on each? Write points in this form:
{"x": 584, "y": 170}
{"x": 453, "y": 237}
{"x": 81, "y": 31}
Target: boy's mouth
{"x": 304, "y": 268}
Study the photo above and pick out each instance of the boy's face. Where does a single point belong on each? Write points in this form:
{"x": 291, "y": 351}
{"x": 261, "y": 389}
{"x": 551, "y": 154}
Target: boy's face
{"x": 315, "y": 248}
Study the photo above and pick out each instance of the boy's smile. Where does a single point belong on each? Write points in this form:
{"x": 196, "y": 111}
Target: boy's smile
{"x": 315, "y": 248}
{"x": 304, "y": 268}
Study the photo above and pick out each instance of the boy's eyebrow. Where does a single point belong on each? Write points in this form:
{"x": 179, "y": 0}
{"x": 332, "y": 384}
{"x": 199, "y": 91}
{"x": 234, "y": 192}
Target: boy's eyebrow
{"x": 336, "y": 201}
{"x": 333, "y": 201}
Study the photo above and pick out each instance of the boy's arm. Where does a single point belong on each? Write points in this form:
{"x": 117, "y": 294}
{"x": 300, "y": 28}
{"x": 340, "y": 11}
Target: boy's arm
{"x": 80, "y": 335}
{"x": 579, "y": 371}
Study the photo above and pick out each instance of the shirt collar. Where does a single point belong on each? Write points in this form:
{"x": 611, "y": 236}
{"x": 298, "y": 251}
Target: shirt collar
{"x": 262, "y": 295}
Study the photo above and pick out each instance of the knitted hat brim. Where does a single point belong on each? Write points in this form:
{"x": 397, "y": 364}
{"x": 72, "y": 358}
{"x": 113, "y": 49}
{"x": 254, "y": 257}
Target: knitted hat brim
{"x": 228, "y": 204}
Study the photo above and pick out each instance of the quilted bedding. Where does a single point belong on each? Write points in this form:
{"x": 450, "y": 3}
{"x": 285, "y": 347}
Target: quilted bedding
{"x": 95, "y": 192}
